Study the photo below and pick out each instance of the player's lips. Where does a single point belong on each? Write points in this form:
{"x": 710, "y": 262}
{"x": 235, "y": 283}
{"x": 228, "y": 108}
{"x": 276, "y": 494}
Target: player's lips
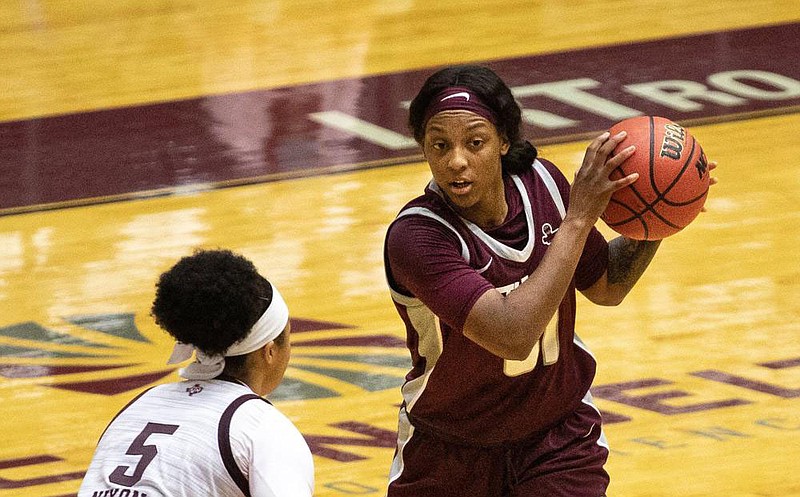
{"x": 460, "y": 187}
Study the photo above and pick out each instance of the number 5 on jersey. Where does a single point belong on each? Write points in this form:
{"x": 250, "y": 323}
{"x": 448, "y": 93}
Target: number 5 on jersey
{"x": 138, "y": 448}
{"x": 548, "y": 344}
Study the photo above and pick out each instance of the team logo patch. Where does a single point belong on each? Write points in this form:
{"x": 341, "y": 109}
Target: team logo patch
{"x": 194, "y": 389}
{"x": 547, "y": 233}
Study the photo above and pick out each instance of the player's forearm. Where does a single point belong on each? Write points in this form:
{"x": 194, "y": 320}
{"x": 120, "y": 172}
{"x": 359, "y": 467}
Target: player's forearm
{"x": 509, "y": 326}
{"x": 627, "y": 261}
{"x": 541, "y": 295}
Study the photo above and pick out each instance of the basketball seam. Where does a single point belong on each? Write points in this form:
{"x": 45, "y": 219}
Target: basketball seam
{"x": 650, "y": 207}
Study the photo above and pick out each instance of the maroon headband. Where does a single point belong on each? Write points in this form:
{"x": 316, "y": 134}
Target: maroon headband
{"x": 458, "y": 98}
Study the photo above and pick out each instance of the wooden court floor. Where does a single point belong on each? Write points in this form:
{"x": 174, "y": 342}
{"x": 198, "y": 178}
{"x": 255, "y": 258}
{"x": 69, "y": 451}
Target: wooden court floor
{"x": 699, "y": 369}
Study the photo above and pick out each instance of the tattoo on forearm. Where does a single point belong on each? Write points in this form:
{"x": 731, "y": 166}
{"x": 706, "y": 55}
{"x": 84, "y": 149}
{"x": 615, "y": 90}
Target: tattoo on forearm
{"x": 627, "y": 259}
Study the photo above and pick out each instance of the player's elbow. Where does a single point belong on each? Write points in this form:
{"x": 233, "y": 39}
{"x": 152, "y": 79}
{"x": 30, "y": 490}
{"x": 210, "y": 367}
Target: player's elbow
{"x": 605, "y": 294}
{"x": 609, "y": 299}
{"x": 505, "y": 345}
{"x": 496, "y": 327}
{"x": 516, "y": 347}
{"x": 518, "y": 353}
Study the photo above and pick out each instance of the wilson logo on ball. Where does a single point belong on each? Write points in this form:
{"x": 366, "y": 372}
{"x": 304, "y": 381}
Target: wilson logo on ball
{"x": 674, "y": 138}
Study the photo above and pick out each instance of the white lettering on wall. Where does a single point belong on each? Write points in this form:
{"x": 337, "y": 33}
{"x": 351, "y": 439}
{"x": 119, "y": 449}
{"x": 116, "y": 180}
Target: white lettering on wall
{"x": 572, "y": 92}
{"x": 682, "y": 95}
{"x": 732, "y": 81}
{"x": 727, "y": 88}
{"x": 372, "y": 133}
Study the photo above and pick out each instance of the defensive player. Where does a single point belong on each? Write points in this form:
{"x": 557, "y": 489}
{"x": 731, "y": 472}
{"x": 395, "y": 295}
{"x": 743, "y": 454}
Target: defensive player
{"x": 212, "y": 434}
{"x": 483, "y": 269}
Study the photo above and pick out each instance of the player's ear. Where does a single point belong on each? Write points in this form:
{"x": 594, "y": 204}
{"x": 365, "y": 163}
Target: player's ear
{"x": 270, "y": 352}
{"x": 505, "y": 145}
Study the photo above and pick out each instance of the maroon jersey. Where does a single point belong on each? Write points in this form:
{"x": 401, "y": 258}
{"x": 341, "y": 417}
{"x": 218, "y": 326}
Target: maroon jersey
{"x": 438, "y": 264}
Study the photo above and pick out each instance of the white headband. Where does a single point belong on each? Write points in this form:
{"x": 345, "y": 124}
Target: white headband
{"x": 267, "y": 328}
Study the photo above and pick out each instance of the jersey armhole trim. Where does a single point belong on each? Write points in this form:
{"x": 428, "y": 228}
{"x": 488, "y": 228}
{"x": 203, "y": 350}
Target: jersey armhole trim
{"x": 552, "y": 187}
{"x": 224, "y": 442}
{"x": 404, "y": 300}
{"x": 424, "y": 211}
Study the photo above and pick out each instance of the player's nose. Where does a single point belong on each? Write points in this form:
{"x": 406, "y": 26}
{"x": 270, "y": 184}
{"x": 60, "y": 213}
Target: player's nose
{"x": 457, "y": 159}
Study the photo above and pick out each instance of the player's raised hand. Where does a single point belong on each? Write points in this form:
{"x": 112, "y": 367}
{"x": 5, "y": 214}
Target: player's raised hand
{"x": 712, "y": 180}
{"x": 592, "y": 187}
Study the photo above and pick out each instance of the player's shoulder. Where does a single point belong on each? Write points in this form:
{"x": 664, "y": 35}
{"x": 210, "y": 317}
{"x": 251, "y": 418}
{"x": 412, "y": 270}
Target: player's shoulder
{"x": 549, "y": 165}
{"x": 258, "y": 408}
{"x": 543, "y": 171}
{"x": 542, "y": 168}
{"x": 425, "y": 212}
{"x": 257, "y": 418}
{"x": 420, "y": 224}
{"x": 211, "y": 394}
{"x": 430, "y": 200}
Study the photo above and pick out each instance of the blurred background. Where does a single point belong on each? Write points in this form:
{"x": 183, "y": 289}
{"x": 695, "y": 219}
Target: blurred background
{"x": 132, "y": 133}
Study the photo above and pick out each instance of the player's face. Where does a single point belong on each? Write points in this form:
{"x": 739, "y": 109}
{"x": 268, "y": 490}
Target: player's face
{"x": 464, "y": 151}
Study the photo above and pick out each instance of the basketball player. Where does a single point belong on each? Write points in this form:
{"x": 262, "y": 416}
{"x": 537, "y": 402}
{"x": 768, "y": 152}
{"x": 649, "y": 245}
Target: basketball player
{"x": 212, "y": 434}
{"x": 483, "y": 269}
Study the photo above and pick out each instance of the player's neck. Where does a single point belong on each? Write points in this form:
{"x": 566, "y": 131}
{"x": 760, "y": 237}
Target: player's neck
{"x": 234, "y": 379}
{"x": 491, "y": 211}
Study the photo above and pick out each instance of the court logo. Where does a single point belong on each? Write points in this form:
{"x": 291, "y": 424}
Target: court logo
{"x": 107, "y": 354}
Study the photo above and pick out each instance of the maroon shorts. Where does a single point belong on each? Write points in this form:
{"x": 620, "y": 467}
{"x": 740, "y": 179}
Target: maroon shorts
{"x": 565, "y": 461}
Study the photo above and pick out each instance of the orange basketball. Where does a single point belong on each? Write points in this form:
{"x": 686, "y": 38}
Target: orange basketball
{"x": 673, "y": 180}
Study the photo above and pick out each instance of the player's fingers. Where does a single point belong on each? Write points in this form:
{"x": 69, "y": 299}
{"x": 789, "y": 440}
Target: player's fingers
{"x": 621, "y": 183}
{"x": 607, "y": 148}
{"x": 599, "y": 141}
{"x": 599, "y": 149}
{"x": 711, "y": 166}
{"x": 711, "y": 180}
{"x": 594, "y": 146}
{"x": 623, "y": 155}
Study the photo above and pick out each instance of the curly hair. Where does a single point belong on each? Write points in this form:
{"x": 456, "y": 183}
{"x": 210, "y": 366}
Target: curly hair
{"x": 494, "y": 92}
{"x": 210, "y": 299}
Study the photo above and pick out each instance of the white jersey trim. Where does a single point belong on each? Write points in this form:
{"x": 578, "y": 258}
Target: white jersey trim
{"x": 552, "y": 187}
{"x": 405, "y": 430}
{"x": 423, "y": 211}
{"x": 404, "y": 300}
{"x": 502, "y": 250}
{"x": 602, "y": 441}
{"x": 428, "y": 328}
{"x": 577, "y": 341}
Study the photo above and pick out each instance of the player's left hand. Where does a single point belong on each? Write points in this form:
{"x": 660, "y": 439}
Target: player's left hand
{"x": 712, "y": 164}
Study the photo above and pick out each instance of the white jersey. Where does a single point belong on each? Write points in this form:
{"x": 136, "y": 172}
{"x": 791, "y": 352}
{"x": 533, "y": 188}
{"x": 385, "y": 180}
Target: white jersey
{"x": 195, "y": 438}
